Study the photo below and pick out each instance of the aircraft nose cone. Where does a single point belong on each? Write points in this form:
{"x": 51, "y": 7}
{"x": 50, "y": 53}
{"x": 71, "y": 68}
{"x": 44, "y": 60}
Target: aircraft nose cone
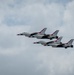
{"x": 19, "y": 34}
{"x": 34, "y": 43}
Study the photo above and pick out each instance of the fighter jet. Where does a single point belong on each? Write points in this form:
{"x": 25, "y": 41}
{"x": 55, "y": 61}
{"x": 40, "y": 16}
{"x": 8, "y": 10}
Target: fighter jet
{"x": 50, "y": 43}
{"x": 65, "y": 45}
{"x": 48, "y": 36}
{"x": 33, "y": 35}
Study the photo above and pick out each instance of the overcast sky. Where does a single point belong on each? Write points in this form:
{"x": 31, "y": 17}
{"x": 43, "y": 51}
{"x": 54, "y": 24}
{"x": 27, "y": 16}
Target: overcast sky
{"x": 18, "y": 55}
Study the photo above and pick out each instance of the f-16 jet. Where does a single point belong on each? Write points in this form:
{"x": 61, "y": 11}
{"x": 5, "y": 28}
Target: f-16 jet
{"x": 65, "y": 45}
{"x": 50, "y": 43}
{"x": 41, "y": 34}
{"x": 33, "y": 35}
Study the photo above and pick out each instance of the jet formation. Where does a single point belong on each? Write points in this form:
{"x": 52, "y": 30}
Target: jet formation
{"x": 42, "y": 35}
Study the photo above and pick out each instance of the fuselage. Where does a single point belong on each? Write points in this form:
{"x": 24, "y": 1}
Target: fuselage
{"x": 63, "y": 46}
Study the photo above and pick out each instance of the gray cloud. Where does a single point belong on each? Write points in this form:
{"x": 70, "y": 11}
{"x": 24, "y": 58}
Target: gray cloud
{"x": 18, "y": 55}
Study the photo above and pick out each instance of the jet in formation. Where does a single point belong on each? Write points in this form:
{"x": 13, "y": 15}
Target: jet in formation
{"x": 41, "y": 35}
{"x": 56, "y": 43}
{"x": 65, "y": 45}
{"x": 50, "y": 43}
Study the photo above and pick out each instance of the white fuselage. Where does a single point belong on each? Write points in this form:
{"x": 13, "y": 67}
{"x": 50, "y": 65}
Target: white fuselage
{"x": 63, "y": 46}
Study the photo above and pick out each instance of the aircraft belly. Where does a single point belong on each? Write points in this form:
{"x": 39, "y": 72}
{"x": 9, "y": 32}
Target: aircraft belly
{"x": 38, "y": 36}
{"x": 45, "y": 37}
{"x": 51, "y": 44}
{"x": 60, "y": 46}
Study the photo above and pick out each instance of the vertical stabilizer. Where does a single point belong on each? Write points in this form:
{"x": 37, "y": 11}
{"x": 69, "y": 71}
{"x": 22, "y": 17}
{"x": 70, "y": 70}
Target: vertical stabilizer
{"x": 70, "y": 42}
{"x": 55, "y": 33}
{"x": 59, "y": 39}
{"x": 43, "y": 31}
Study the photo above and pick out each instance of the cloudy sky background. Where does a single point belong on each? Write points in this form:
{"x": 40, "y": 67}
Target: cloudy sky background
{"x": 18, "y": 55}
